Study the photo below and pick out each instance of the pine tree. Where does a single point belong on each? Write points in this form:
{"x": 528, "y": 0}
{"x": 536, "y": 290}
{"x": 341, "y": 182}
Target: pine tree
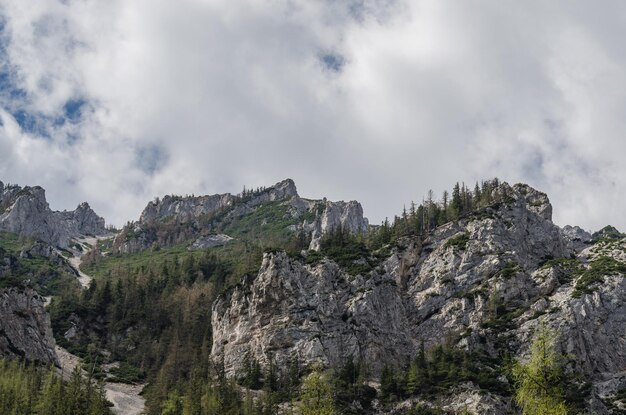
{"x": 98, "y": 404}
{"x": 457, "y": 202}
{"x": 317, "y": 395}
{"x": 51, "y": 391}
{"x": 538, "y": 383}
{"x": 388, "y": 385}
{"x": 477, "y": 195}
{"x": 173, "y": 405}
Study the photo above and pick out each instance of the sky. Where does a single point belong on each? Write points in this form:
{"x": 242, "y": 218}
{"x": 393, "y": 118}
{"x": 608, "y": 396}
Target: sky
{"x": 116, "y": 102}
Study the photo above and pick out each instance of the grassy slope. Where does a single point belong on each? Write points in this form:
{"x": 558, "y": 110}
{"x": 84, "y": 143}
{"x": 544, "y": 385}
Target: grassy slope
{"x": 265, "y": 228}
{"x": 47, "y": 277}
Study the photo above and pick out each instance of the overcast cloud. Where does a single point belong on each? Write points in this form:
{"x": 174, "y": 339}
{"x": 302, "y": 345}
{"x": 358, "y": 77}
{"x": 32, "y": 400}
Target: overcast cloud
{"x": 119, "y": 101}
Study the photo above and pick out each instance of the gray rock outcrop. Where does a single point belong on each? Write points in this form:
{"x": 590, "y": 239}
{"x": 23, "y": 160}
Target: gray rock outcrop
{"x": 485, "y": 281}
{"x": 26, "y": 212}
{"x": 346, "y": 216}
{"x": 580, "y": 238}
{"x": 25, "y": 330}
{"x": 162, "y": 220}
{"x": 210, "y": 241}
{"x": 314, "y": 314}
{"x": 576, "y": 233}
{"x": 186, "y": 208}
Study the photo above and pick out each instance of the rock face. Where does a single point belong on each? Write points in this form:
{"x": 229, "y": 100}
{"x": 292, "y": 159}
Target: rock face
{"x": 25, "y": 211}
{"x": 485, "y": 282}
{"x": 187, "y": 208}
{"x": 576, "y": 233}
{"x": 25, "y": 330}
{"x": 184, "y": 208}
{"x": 347, "y": 216}
{"x": 177, "y": 219}
{"x": 314, "y": 314}
{"x": 210, "y": 241}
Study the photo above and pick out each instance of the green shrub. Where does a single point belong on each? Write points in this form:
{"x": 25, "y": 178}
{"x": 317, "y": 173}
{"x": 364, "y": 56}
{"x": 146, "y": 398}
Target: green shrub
{"x": 598, "y": 269}
{"x": 511, "y": 268}
{"x": 458, "y": 241}
{"x": 126, "y": 373}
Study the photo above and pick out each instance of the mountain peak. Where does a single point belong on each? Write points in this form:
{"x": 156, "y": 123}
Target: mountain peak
{"x": 286, "y": 188}
{"x": 535, "y": 200}
{"x": 26, "y": 212}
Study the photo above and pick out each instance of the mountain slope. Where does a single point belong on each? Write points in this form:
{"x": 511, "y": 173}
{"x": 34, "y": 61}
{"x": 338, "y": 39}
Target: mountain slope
{"x": 482, "y": 284}
{"x": 25, "y": 211}
{"x": 424, "y": 315}
{"x": 269, "y": 215}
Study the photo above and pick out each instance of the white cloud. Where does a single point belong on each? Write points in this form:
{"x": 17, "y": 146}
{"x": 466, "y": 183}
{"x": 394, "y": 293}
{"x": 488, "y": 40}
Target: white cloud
{"x": 197, "y": 97}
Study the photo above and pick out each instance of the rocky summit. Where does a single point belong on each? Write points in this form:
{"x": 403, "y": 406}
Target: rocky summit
{"x": 484, "y": 282}
{"x": 26, "y": 212}
{"x": 177, "y": 219}
{"x": 268, "y": 302}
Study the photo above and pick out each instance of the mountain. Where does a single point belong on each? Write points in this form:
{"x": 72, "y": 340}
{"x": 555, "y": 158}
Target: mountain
{"x": 25, "y": 211}
{"x": 249, "y": 303}
{"x": 177, "y": 219}
{"x": 484, "y": 283}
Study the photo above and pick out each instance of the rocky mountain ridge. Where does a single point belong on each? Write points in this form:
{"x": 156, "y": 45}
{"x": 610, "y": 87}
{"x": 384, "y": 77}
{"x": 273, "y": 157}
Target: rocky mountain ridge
{"x": 479, "y": 286}
{"x": 26, "y": 212}
{"x": 176, "y": 219}
{"x": 484, "y": 282}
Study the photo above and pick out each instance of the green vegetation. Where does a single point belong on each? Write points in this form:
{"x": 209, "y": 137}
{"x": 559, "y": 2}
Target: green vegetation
{"x": 481, "y": 203}
{"x": 617, "y": 402}
{"x": 349, "y": 251}
{"x": 539, "y": 383}
{"x": 571, "y": 269}
{"x": 598, "y": 269}
{"x": 606, "y": 234}
{"x": 510, "y": 269}
{"x": 27, "y": 389}
{"x": 439, "y": 371}
{"x": 568, "y": 268}
{"x": 311, "y": 390}
{"x": 502, "y": 319}
{"x": 542, "y": 385}
{"x": 458, "y": 241}
{"x": 117, "y": 263}
{"x": 46, "y": 275}
{"x": 12, "y": 243}
{"x": 268, "y": 222}
{"x": 317, "y": 395}
{"x": 264, "y": 227}
{"x": 126, "y": 373}
{"x": 152, "y": 311}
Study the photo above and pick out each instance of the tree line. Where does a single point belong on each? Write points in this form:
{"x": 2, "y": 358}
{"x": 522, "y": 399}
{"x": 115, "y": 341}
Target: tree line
{"x": 419, "y": 220}
{"x": 27, "y": 389}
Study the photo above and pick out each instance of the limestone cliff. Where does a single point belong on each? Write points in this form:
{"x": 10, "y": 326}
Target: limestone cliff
{"x": 484, "y": 282}
{"x": 25, "y": 330}
{"x": 177, "y": 219}
{"x": 26, "y": 212}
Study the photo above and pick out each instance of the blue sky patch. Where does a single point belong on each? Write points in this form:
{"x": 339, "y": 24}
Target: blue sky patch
{"x": 32, "y": 124}
{"x": 332, "y": 62}
{"x": 8, "y": 89}
{"x": 73, "y": 109}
